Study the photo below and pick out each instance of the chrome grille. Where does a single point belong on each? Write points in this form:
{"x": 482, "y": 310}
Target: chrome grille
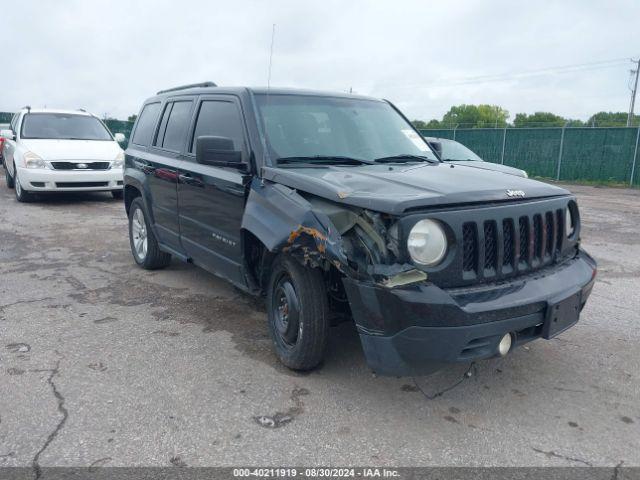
{"x": 74, "y": 165}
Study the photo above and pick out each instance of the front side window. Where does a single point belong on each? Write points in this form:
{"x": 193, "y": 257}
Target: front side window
{"x": 176, "y": 126}
{"x": 219, "y": 119}
{"x": 146, "y": 123}
{"x": 307, "y": 126}
{"x": 454, "y": 151}
{"x": 63, "y": 126}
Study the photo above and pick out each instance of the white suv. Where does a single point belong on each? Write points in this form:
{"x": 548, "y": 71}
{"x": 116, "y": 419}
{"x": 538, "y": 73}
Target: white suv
{"x": 61, "y": 150}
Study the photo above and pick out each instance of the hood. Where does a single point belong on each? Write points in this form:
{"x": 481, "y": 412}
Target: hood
{"x": 395, "y": 188}
{"x": 496, "y": 167}
{"x": 50, "y": 150}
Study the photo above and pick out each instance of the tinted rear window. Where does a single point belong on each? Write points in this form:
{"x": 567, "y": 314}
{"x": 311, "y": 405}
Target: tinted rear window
{"x": 177, "y": 124}
{"x": 146, "y": 122}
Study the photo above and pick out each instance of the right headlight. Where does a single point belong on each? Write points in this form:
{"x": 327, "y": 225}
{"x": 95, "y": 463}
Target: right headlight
{"x": 31, "y": 160}
{"x": 427, "y": 243}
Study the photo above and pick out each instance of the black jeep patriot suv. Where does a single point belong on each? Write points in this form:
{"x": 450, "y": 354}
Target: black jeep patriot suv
{"x": 333, "y": 206}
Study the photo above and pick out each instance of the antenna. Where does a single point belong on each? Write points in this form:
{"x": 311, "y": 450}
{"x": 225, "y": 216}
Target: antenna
{"x": 273, "y": 36}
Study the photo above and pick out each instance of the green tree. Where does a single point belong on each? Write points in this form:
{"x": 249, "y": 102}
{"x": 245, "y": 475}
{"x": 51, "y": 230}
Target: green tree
{"x": 476, "y": 116}
{"x": 132, "y": 118}
{"x": 612, "y": 119}
{"x": 538, "y": 119}
{"x": 419, "y": 124}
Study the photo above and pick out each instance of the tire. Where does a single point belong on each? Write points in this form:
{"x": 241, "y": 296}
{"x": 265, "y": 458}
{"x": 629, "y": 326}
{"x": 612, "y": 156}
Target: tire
{"x": 144, "y": 246}
{"x": 298, "y": 313}
{"x": 8, "y": 177}
{"x": 117, "y": 194}
{"x": 22, "y": 195}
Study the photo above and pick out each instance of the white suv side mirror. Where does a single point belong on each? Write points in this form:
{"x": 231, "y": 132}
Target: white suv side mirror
{"x": 119, "y": 137}
{"x": 8, "y": 134}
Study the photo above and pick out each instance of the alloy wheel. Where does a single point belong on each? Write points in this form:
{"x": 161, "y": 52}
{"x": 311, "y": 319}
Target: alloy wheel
{"x": 139, "y": 234}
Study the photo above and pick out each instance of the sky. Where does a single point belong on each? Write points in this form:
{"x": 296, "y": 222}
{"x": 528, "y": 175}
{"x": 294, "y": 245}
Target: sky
{"x": 424, "y": 56}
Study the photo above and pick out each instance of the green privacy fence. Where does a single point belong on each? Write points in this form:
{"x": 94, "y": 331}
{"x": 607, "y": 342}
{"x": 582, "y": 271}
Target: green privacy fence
{"x": 573, "y": 154}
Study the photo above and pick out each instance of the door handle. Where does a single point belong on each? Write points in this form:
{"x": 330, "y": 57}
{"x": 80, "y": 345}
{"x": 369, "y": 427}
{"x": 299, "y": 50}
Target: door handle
{"x": 144, "y": 166}
{"x": 189, "y": 180}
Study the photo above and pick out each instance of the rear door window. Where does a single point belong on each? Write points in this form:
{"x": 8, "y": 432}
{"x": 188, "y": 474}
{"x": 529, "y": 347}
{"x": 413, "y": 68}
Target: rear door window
{"x": 146, "y": 123}
{"x": 177, "y": 125}
{"x": 219, "y": 118}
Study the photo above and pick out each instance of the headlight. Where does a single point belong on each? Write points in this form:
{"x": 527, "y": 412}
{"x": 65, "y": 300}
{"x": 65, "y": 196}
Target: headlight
{"x": 118, "y": 162}
{"x": 569, "y": 223}
{"x": 427, "y": 243}
{"x": 31, "y": 160}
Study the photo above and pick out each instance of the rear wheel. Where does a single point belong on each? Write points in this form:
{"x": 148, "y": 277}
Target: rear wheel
{"x": 8, "y": 177}
{"x": 298, "y": 313}
{"x": 22, "y": 195}
{"x": 117, "y": 194}
{"x": 144, "y": 246}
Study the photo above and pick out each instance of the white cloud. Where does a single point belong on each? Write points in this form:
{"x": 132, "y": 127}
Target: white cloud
{"x": 109, "y": 56}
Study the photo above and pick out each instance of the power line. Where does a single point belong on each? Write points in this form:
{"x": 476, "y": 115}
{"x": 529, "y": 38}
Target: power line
{"x": 562, "y": 69}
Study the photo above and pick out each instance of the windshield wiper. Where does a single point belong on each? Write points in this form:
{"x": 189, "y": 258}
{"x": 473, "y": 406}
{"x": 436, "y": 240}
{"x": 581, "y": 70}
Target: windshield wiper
{"x": 405, "y": 157}
{"x": 323, "y": 160}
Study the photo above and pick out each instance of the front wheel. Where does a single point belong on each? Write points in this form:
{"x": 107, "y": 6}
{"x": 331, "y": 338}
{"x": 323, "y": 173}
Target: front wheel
{"x": 21, "y": 194}
{"x": 144, "y": 246}
{"x": 298, "y": 313}
{"x": 117, "y": 194}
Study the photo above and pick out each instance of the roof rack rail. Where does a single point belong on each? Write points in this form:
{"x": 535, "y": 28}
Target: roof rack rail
{"x": 184, "y": 87}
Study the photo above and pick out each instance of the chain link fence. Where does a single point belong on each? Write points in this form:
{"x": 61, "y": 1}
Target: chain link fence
{"x": 608, "y": 155}
{"x": 579, "y": 154}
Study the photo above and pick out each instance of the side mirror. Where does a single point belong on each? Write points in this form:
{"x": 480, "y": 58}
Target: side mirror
{"x": 218, "y": 151}
{"x": 437, "y": 146}
{"x": 120, "y": 138}
{"x": 8, "y": 134}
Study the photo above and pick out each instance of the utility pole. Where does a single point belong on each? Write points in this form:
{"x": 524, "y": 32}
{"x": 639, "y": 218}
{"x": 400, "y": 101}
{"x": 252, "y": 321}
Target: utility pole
{"x": 634, "y": 90}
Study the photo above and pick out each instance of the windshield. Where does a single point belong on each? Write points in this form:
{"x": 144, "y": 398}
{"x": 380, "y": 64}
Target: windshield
{"x": 454, "y": 151}
{"x": 299, "y": 127}
{"x": 63, "y": 126}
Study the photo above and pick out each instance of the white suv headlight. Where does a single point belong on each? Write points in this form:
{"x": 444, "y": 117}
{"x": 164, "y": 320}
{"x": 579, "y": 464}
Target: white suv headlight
{"x": 118, "y": 162}
{"x": 31, "y": 160}
{"x": 427, "y": 243}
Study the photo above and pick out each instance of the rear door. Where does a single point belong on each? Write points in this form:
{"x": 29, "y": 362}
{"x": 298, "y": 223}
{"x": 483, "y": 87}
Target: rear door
{"x": 211, "y": 199}
{"x": 161, "y": 161}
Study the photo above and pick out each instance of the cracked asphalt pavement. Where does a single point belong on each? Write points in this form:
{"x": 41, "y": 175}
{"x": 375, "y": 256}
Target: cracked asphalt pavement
{"x": 105, "y": 364}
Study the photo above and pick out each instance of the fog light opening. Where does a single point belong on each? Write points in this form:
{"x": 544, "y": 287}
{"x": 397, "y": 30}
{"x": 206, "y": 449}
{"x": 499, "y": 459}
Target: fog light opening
{"x": 505, "y": 344}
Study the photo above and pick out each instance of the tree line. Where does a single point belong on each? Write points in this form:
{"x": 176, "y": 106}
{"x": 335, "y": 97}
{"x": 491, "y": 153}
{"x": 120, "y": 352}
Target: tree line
{"x": 494, "y": 116}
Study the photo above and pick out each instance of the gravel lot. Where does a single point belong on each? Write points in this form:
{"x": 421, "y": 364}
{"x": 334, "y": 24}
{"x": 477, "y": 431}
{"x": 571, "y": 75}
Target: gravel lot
{"x": 105, "y": 364}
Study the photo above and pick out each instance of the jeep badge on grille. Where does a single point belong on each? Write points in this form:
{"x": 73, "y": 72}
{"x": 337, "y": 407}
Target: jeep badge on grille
{"x": 515, "y": 193}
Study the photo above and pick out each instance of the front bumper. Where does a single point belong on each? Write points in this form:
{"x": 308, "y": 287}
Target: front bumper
{"x": 43, "y": 180}
{"x": 418, "y": 329}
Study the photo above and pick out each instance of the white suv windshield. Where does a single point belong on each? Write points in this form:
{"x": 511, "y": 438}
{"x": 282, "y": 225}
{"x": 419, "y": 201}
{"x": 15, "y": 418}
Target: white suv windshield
{"x": 303, "y": 126}
{"x": 63, "y": 126}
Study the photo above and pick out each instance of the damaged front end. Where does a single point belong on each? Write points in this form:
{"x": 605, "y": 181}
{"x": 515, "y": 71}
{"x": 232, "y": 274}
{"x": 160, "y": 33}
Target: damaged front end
{"x": 358, "y": 243}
